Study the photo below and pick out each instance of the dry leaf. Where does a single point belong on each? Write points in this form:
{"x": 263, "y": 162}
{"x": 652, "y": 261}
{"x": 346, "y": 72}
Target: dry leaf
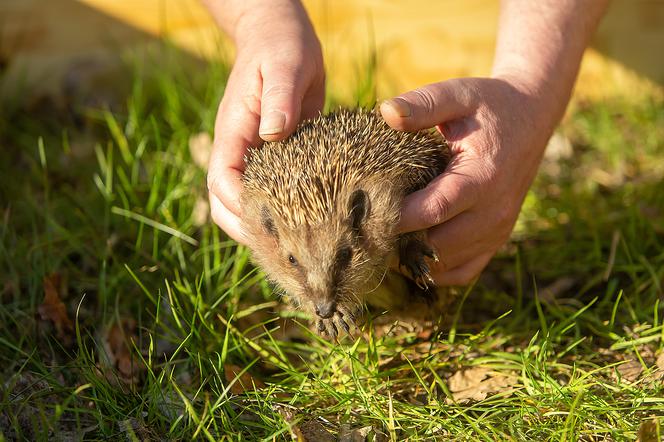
{"x": 649, "y": 430}
{"x": 200, "y": 146}
{"x": 657, "y": 371}
{"x": 314, "y": 431}
{"x": 244, "y": 382}
{"x": 629, "y": 371}
{"x": 475, "y": 384}
{"x": 289, "y": 415}
{"x": 54, "y": 310}
{"x": 425, "y": 334}
{"x": 347, "y": 434}
{"x": 135, "y": 429}
{"x": 118, "y": 342}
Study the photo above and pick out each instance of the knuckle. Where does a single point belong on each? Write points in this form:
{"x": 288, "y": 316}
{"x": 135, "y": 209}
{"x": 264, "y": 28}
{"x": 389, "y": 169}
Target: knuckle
{"x": 469, "y": 95}
{"x": 279, "y": 90}
{"x": 437, "y": 209}
{"x": 426, "y": 100}
{"x": 252, "y": 103}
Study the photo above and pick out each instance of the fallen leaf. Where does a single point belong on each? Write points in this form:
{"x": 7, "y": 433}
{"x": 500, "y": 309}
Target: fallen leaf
{"x": 649, "y": 430}
{"x": 53, "y": 309}
{"x": 118, "y": 344}
{"x": 200, "y": 146}
{"x": 244, "y": 383}
{"x": 314, "y": 431}
{"x": 347, "y": 434}
{"x": 425, "y": 334}
{"x": 475, "y": 384}
{"x": 135, "y": 429}
{"x": 629, "y": 371}
{"x": 657, "y": 371}
{"x": 289, "y": 415}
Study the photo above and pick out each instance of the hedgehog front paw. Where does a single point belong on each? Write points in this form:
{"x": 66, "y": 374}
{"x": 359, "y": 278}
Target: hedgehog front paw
{"x": 343, "y": 319}
{"x": 412, "y": 254}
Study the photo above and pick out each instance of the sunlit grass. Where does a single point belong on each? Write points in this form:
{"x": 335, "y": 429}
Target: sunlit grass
{"x": 214, "y": 355}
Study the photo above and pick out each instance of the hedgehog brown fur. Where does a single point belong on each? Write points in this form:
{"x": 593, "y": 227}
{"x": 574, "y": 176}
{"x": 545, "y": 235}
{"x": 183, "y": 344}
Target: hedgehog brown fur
{"x": 320, "y": 209}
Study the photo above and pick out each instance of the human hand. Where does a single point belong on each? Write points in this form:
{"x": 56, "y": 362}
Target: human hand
{"x": 277, "y": 80}
{"x": 497, "y": 130}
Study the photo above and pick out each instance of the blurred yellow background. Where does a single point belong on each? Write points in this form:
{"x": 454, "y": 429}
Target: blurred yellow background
{"x": 417, "y": 41}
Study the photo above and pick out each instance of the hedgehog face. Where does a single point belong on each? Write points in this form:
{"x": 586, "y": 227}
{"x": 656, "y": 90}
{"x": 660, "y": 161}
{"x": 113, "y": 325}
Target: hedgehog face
{"x": 326, "y": 266}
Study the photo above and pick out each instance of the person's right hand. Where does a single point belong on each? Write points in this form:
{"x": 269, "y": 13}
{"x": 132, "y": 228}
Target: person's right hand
{"x": 277, "y": 80}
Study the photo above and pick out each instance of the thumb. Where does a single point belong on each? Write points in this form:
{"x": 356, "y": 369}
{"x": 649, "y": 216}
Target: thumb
{"x": 281, "y": 102}
{"x": 430, "y": 105}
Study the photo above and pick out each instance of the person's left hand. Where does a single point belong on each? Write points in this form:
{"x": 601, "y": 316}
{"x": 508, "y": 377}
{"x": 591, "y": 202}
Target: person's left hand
{"x": 497, "y": 130}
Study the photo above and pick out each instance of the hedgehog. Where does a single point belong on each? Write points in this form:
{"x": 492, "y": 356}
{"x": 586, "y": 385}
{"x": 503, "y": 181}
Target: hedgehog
{"x": 321, "y": 209}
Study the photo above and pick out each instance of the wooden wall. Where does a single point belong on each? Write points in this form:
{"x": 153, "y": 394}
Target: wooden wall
{"x": 417, "y": 41}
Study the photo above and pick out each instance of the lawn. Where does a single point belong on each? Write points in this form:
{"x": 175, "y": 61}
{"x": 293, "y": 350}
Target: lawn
{"x": 126, "y": 314}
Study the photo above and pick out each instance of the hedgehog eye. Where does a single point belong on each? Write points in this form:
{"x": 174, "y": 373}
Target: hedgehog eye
{"x": 292, "y": 260}
{"x": 344, "y": 255}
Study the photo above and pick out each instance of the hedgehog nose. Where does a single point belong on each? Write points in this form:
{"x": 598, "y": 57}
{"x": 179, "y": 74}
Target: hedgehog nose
{"x": 326, "y": 309}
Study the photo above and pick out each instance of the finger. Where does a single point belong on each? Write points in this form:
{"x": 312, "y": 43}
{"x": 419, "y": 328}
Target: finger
{"x": 459, "y": 241}
{"x": 431, "y": 105}
{"x": 448, "y": 195}
{"x": 227, "y": 220}
{"x": 225, "y": 183}
{"x": 281, "y": 101}
{"x": 465, "y": 273}
{"x": 466, "y": 236}
{"x": 313, "y": 101}
{"x": 236, "y": 129}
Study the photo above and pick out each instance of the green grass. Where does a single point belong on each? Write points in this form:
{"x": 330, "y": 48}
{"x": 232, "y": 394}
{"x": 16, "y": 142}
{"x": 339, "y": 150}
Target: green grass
{"x": 106, "y": 199}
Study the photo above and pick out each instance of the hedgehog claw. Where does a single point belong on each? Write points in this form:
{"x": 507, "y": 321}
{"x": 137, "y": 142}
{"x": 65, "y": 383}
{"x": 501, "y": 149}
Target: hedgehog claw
{"x": 351, "y": 316}
{"x": 430, "y": 253}
{"x": 342, "y": 319}
{"x": 335, "y": 331}
{"x": 344, "y": 324}
{"x": 327, "y": 328}
{"x": 412, "y": 253}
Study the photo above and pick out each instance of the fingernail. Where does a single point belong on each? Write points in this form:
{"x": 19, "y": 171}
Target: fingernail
{"x": 400, "y": 107}
{"x": 273, "y": 123}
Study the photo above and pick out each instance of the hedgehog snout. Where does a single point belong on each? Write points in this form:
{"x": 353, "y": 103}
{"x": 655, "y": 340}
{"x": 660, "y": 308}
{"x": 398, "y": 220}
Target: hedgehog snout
{"x": 325, "y": 309}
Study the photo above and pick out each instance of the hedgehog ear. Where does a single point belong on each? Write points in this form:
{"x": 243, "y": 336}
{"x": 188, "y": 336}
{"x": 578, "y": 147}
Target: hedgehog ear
{"x": 268, "y": 222}
{"x": 358, "y": 207}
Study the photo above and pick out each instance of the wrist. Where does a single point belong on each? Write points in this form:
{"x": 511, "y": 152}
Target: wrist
{"x": 543, "y": 97}
{"x": 274, "y": 22}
